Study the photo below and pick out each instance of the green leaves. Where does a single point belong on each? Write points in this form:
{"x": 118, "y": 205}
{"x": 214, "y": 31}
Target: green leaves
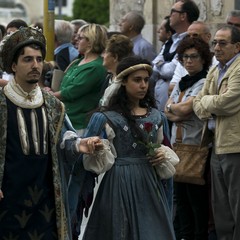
{"x": 92, "y": 11}
{"x": 151, "y": 148}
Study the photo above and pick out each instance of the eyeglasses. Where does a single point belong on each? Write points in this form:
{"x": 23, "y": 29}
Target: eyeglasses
{"x": 80, "y": 38}
{"x": 192, "y": 57}
{"x": 175, "y": 10}
{"x": 221, "y": 43}
{"x": 234, "y": 24}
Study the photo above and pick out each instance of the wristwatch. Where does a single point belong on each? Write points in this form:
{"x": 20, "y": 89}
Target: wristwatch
{"x": 169, "y": 107}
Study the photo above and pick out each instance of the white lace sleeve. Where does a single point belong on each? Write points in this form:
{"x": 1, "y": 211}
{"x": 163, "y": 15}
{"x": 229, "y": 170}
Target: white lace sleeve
{"x": 166, "y": 169}
{"x": 101, "y": 161}
{"x": 160, "y": 135}
{"x": 111, "y": 135}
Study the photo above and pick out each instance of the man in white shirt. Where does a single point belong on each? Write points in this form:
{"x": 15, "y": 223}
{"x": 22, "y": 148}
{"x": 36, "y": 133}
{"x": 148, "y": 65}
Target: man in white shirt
{"x": 182, "y": 14}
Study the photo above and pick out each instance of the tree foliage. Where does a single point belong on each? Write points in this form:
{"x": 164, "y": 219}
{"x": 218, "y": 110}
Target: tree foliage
{"x": 92, "y": 11}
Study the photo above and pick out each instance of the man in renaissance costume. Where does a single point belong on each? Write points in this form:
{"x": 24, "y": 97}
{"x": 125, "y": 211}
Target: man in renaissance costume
{"x": 33, "y": 192}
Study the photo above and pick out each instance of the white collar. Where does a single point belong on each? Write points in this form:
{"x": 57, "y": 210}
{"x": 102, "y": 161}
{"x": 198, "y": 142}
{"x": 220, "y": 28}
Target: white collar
{"x": 21, "y": 98}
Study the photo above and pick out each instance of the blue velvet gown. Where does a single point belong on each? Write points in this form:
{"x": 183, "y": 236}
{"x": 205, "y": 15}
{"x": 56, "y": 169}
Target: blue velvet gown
{"x": 130, "y": 203}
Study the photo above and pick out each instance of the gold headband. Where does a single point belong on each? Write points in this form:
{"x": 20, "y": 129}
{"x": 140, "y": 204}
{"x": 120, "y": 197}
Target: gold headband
{"x": 132, "y": 69}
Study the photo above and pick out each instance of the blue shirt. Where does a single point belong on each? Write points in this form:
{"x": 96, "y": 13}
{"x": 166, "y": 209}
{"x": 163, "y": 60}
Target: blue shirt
{"x": 143, "y": 48}
{"x": 73, "y": 52}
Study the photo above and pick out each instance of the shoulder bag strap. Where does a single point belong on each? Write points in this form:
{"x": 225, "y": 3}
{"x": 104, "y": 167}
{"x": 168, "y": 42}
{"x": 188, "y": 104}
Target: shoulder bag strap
{"x": 179, "y": 128}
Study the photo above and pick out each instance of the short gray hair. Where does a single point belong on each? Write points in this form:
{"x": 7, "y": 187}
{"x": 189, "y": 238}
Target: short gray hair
{"x": 137, "y": 20}
{"x": 78, "y": 22}
{"x": 63, "y": 31}
{"x": 234, "y": 13}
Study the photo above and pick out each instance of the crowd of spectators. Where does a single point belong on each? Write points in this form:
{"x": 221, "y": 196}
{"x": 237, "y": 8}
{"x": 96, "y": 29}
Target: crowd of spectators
{"x": 193, "y": 84}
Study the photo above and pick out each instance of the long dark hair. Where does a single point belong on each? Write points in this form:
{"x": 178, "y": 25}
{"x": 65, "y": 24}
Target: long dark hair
{"x": 121, "y": 103}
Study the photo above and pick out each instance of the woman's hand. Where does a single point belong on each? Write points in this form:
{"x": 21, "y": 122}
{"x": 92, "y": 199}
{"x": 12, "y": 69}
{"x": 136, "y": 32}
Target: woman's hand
{"x": 1, "y": 194}
{"x": 159, "y": 157}
{"x": 90, "y": 145}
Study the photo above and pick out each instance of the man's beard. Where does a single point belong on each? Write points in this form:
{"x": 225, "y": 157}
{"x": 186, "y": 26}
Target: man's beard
{"x": 32, "y": 81}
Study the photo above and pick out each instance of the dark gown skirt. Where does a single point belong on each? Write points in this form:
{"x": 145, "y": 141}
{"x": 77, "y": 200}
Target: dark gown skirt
{"x": 130, "y": 203}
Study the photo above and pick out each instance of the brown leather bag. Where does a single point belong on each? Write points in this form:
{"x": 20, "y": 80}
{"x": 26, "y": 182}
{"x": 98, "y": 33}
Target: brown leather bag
{"x": 193, "y": 159}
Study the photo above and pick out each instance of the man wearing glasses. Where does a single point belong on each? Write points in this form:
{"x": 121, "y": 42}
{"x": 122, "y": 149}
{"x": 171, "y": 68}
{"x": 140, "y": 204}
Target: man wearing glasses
{"x": 202, "y": 30}
{"x": 182, "y": 14}
{"x": 218, "y": 105}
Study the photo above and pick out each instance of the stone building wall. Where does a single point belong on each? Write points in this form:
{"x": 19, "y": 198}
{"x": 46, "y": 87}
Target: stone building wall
{"x": 213, "y": 12}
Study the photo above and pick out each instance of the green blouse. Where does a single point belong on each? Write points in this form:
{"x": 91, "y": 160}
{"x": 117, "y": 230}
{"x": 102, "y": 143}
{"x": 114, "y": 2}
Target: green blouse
{"x": 80, "y": 90}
